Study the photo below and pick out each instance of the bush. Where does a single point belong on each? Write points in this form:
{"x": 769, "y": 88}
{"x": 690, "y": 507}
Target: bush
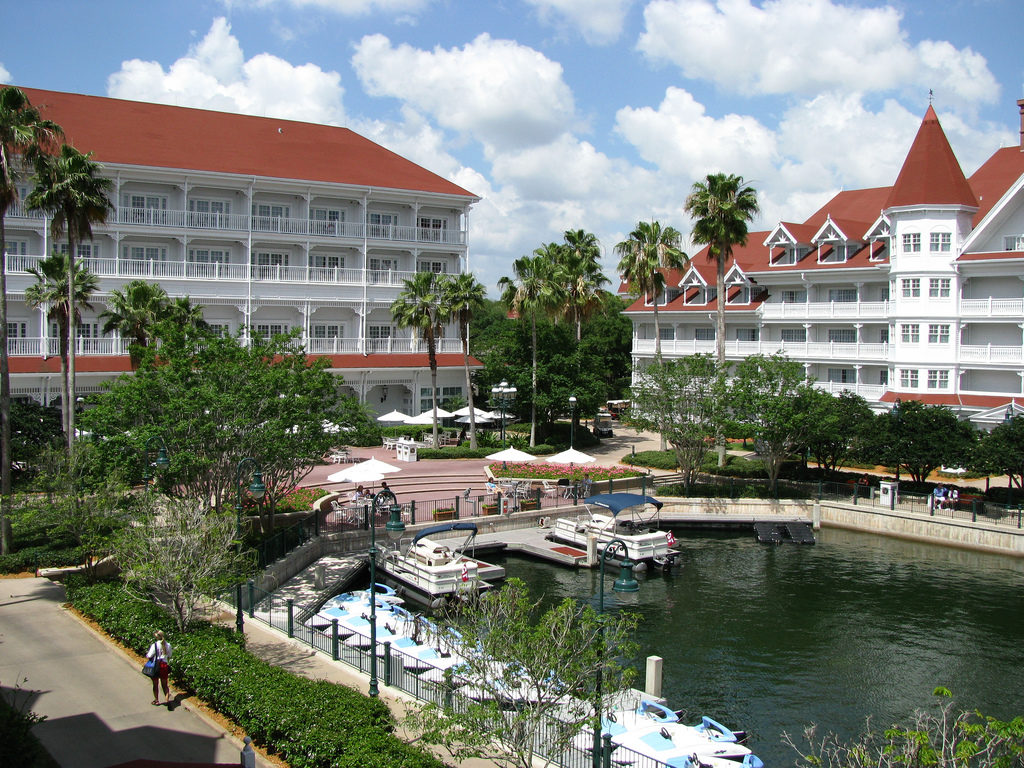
{"x": 299, "y": 500}
{"x": 18, "y": 745}
{"x": 309, "y": 723}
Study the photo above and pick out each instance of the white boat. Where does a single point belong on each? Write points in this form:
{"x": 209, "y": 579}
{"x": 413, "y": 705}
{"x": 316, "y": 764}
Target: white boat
{"x": 431, "y": 571}
{"x": 623, "y": 516}
{"x": 654, "y": 730}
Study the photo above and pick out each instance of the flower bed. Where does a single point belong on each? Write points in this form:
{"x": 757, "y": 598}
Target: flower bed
{"x": 544, "y": 471}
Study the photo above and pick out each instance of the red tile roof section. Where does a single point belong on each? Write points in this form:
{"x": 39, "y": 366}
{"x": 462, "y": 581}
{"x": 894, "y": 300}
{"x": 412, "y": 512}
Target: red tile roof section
{"x": 853, "y": 204}
{"x": 996, "y": 175}
{"x": 144, "y": 134}
{"x": 931, "y": 173}
{"x": 971, "y": 401}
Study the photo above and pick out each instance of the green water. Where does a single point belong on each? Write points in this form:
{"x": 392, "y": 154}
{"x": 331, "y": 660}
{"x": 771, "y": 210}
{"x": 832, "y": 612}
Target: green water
{"x": 773, "y": 638}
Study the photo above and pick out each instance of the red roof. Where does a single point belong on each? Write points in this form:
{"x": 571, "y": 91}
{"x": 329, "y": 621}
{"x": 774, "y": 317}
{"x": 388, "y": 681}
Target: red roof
{"x": 995, "y": 176}
{"x": 143, "y": 134}
{"x": 971, "y": 401}
{"x": 931, "y": 173}
{"x": 855, "y": 205}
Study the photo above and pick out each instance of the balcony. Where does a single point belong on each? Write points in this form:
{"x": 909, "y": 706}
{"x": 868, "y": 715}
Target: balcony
{"x": 990, "y": 353}
{"x": 867, "y": 391}
{"x": 991, "y": 307}
{"x": 148, "y": 269}
{"x": 809, "y": 350}
{"x": 825, "y": 310}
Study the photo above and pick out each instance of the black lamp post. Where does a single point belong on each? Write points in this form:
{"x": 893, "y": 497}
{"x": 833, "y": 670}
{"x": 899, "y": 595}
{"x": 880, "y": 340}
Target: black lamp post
{"x": 625, "y": 583}
{"x": 897, "y": 429}
{"x": 572, "y": 420}
{"x": 504, "y": 395}
{"x": 394, "y": 528}
{"x": 257, "y": 490}
{"x": 162, "y": 462}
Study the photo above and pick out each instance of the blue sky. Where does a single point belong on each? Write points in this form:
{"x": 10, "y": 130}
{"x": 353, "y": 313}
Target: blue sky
{"x": 566, "y": 114}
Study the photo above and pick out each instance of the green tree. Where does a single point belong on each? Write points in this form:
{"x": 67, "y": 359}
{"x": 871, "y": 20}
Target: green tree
{"x": 529, "y": 292}
{"x": 606, "y": 348}
{"x": 133, "y": 313}
{"x": 643, "y": 258}
{"x": 722, "y": 206}
{"x": 921, "y": 438}
{"x": 213, "y": 402}
{"x": 684, "y": 398}
{"x": 535, "y": 670}
{"x": 70, "y": 191}
{"x": 52, "y": 291}
{"x": 23, "y": 135}
{"x": 1001, "y": 451}
{"x": 463, "y": 295}
{"x": 419, "y": 307}
{"x": 578, "y": 271}
{"x": 768, "y": 396}
{"x": 179, "y": 553}
{"x": 836, "y": 427}
{"x": 34, "y": 427}
{"x": 181, "y": 311}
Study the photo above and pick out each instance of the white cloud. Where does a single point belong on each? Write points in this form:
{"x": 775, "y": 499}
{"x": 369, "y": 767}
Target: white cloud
{"x": 498, "y": 92}
{"x": 342, "y": 7}
{"x": 598, "y": 21}
{"x": 5, "y": 76}
{"x": 216, "y": 75}
{"x": 806, "y": 46}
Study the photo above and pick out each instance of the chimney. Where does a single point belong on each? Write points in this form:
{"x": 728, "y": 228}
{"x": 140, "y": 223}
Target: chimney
{"x": 1020, "y": 103}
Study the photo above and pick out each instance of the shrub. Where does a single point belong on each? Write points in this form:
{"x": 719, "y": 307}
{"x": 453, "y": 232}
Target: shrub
{"x": 299, "y": 499}
{"x": 309, "y": 723}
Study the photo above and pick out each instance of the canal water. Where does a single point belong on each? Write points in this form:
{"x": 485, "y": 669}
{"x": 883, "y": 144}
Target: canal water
{"x": 774, "y": 638}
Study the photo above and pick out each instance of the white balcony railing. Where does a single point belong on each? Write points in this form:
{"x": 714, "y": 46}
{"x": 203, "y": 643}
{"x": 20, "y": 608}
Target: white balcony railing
{"x": 991, "y": 307}
{"x": 990, "y": 353}
{"x": 878, "y": 352}
{"x": 846, "y": 310}
{"x": 867, "y": 391}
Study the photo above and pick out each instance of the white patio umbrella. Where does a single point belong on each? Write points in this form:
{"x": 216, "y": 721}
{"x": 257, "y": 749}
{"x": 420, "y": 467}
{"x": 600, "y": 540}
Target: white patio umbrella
{"x": 369, "y": 471}
{"x": 571, "y": 456}
{"x": 395, "y": 417}
{"x": 464, "y": 411}
{"x": 427, "y": 417}
{"x": 480, "y": 419}
{"x": 511, "y": 454}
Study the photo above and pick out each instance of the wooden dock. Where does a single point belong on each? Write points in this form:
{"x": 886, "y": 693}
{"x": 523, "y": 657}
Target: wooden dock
{"x": 532, "y": 543}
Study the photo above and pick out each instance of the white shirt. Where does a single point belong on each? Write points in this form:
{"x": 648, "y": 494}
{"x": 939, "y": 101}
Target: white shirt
{"x": 156, "y": 650}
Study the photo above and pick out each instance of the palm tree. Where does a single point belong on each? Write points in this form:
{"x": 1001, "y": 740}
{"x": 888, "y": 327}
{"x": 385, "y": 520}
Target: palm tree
{"x": 722, "y": 206}
{"x": 419, "y": 307}
{"x": 51, "y": 291}
{"x": 68, "y": 189}
{"x": 530, "y": 291}
{"x": 649, "y": 250}
{"x": 181, "y": 311}
{"x": 133, "y": 313}
{"x": 23, "y": 134}
{"x": 579, "y": 272}
{"x": 463, "y": 295}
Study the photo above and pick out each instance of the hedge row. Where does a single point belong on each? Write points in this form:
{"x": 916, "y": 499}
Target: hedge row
{"x": 309, "y": 723}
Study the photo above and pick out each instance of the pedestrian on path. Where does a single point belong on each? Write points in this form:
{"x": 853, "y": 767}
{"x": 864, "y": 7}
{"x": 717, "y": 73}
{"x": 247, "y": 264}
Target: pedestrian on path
{"x": 161, "y": 651}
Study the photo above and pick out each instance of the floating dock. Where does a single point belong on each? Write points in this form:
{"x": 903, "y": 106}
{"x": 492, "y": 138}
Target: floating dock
{"x": 533, "y": 542}
{"x": 780, "y": 533}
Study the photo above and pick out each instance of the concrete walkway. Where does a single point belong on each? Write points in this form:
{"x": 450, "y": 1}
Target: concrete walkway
{"x": 94, "y": 697}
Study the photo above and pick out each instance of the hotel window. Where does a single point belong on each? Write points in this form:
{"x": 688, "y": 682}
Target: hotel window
{"x": 883, "y": 335}
{"x": 437, "y": 267}
{"x": 938, "y": 333}
{"x": 270, "y": 211}
{"x": 16, "y": 247}
{"x": 938, "y": 379}
{"x": 843, "y": 295}
{"x": 328, "y": 261}
{"x": 746, "y": 334}
{"x": 85, "y": 250}
{"x": 209, "y": 256}
{"x": 704, "y": 334}
{"x": 145, "y": 253}
{"x": 794, "y": 334}
{"x": 220, "y": 330}
{"x": 842, "y": 375}
{"x": 938, "y": 288}
{"x": 908, "y": 378}
{"x": 266, "y": 330}
{"x": 326, "y": 331}
{"x": 910, "y": 333}
{"x": 208, "y": 213}
{"x": 381, "y": 224}
{"x": 910, "y": 287}
{"x": 431, "y": 229}
{"x": 940, "y": 242}
{"x": 912, "y": 242}
{"x": 17, "y": 330}
{"x": 325, "y": 220}
{"x": 883, "y": 378}
{"x": 794, "y": 297}
{"x": 667, "y": 333}
{"x": 842, "y": 335}
{"x": 268, "y": 259}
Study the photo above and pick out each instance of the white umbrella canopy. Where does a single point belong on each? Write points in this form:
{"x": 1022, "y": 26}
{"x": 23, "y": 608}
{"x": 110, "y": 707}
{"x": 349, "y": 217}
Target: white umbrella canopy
{"x": 511, "y": 454}
{"x": 480, "y": 419}
{"x": 369, "y": 471}
{"x": 395, "y": 417}
{"x": 464, "y": 411}
{"x": 571, "y": 456}
{"x": 427, "y": 417}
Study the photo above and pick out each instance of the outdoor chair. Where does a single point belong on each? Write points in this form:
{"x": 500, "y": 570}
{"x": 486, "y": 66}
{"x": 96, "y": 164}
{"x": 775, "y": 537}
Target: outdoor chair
{"x": 548, "y": 489}
{"x": 469, "y": 501}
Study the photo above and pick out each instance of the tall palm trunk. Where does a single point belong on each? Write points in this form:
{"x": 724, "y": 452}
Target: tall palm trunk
{"x": 464, "y": 332}
{"x": 432, "y": 354}
{"x": 657, "y": 332}
{"x": 533, "y": 381}
{"x": 720, "y": 339}
{"x": 69, "y": 386}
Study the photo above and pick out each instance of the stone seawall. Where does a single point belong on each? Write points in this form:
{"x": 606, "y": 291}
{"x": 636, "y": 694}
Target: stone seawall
{"x": 955, "y": 533}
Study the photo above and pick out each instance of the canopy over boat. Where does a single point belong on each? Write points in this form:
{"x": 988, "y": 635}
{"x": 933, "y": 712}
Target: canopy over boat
{"x": 616, "y": 502}
{"x": 444, "y": 527}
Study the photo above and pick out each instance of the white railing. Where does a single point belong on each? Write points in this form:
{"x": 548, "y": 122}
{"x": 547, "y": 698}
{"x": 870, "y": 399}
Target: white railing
{"x": 990, "y": 353}
{"x": 19, "y": 211}
{"x": 236, "y": 222}
{"x": 24, "y": 347}
{"x": 824, "y": 310}
{"x": 102, "y": 346}
{"x": 793, "y": 349}
{"x": 991, "y": 307}
{"x": 867, "y": 391}
{"x": 332, "y": 346}
{"x": 1013, "y": 243}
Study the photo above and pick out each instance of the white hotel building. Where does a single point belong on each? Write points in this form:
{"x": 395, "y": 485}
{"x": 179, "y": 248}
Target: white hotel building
{"x": 914, "y": 291}
{"x": 269, "y": 225}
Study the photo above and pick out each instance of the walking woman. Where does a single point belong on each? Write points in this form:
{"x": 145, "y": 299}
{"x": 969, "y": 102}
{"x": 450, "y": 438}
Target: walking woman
{"x": 161, "y": 651}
